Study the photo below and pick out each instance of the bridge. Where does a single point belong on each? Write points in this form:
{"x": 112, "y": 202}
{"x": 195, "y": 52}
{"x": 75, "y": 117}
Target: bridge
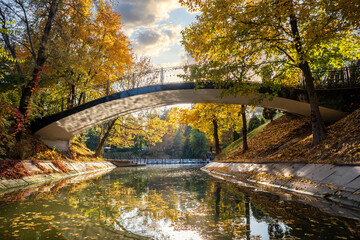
{"x": 57, "y": 129}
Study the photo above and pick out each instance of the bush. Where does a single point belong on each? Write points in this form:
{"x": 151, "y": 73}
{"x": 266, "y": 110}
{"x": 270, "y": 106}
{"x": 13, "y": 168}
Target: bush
{"x": 269, "y": 113}
{"x": 7, "y": 131}
{"x": 254, "y": 123}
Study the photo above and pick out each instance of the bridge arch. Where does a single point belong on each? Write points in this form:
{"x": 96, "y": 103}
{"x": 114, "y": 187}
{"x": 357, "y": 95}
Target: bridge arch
{"x": 57, "y": 130}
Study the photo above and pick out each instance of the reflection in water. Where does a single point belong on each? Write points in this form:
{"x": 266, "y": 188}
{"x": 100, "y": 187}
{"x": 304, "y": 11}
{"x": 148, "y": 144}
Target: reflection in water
{"x": 163, "y": 202}
{"x": 247, "y": 215}
{"x": 275, "y": 230}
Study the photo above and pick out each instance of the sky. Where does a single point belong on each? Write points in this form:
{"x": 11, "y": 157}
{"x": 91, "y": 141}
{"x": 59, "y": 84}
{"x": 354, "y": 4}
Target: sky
{"x": 153, "y": 27}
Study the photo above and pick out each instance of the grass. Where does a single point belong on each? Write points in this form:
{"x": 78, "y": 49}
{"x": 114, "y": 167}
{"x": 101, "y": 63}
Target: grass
{"x": 237, "y": 144}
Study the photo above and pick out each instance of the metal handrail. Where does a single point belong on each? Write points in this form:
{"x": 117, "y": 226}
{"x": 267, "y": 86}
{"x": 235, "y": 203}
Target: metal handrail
{"x": 337, "y": 78}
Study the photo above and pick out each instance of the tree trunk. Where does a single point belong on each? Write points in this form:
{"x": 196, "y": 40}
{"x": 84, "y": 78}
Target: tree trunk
{"x": 103, "y": 139}
{"x": 216, "y": 137}
{"x": 317, "y": 123}
{"x": 81, "y": 98}
{"x": 27, "y": 90}
{"x": 72, "y": 97}
{"x": 244, "y": 128}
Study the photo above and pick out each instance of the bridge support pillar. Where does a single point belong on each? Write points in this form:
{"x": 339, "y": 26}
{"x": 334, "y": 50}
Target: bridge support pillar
{"x": 57, "y": 144}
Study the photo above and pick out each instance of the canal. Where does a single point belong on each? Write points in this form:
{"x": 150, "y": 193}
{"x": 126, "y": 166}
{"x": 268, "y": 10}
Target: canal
{"x": 168, "y": 202}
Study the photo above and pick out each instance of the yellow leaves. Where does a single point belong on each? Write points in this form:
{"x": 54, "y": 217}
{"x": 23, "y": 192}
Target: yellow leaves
{"x": 246, "y": 31}
{"x": 89, "y": 48}
{"x": 147, "y": 125}
{"x": 201, "y": 117}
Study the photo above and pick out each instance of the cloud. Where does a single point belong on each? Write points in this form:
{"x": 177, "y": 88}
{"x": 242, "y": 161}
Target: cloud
{"x": 145, "y": 12}
{"x": 148, "y": 37}
{"x": 186, "y": 58}
{"x": 157, "y": 39}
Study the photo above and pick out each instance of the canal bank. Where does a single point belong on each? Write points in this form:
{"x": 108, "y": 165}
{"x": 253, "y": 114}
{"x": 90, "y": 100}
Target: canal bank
{"x": 44, "y": 171}
{"x": 336, "y": 183}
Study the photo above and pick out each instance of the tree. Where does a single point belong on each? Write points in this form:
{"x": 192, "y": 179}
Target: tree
{"x": 177, "y": 144}
{"x": 198, "y": 143}
{"x": 103, "y": 137}
{"x": 140, "y": 74}
{"x": 90, "y": 52}
{"x": 254, "y": 123}
{"x": 28, "y": 14}
{"x": 8, "y": 113}
{"x": 144, "y": 129}
{"x": 67, "y": 47}
{"x": 244, "y": 128}
{"x": 275, "y": 42}
{"x": 269, "y": 113}
{"x": 186, "y": 151}
{"x": 350, "y": 10}
{"x": 127, "y": 128}
{"x": 212, "y": 119}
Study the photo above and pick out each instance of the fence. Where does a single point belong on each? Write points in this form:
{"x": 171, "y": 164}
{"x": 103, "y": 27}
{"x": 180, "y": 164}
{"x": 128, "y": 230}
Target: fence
{"x": 337, "y": 78}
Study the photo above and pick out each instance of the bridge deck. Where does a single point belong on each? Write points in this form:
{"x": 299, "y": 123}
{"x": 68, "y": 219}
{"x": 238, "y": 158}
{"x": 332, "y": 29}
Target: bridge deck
{"x": 59, "y": 128}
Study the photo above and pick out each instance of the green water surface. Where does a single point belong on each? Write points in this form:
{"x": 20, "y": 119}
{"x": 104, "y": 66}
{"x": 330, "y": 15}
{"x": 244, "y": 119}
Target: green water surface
{"x": 168, "y": 202}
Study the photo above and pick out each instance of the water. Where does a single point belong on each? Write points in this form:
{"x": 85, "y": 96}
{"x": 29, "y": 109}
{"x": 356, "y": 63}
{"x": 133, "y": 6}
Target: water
{"x": 167, "y": 202}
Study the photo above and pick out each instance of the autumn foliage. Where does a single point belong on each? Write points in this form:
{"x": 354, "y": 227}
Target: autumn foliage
{"x": 13, "y": 169}
{"x": 60, "y": 166}
{"x": 63, "y": 55}
{"x": 273, "y": 42}
{"x": 288, "y": 139}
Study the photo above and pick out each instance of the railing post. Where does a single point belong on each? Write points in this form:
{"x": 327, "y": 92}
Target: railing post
{"x": 107, "y": 88}
{"x": 133, "y": 80}
{"x": 162, "y": 76}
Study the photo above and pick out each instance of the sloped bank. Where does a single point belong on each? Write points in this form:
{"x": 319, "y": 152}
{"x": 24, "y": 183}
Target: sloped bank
{"x": 339, "y": 183}
{"x": 43, "y": 171}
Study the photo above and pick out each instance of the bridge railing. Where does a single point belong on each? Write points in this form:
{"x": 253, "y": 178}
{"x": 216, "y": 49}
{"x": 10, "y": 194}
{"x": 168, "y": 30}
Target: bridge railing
{"x": 337, "y": 78}
{"x": 131, "y": 81}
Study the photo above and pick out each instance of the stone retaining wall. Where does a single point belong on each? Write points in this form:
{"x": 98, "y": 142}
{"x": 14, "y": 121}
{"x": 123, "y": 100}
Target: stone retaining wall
{"x": 37, "y": 175}
{"x": 337, "y": 183}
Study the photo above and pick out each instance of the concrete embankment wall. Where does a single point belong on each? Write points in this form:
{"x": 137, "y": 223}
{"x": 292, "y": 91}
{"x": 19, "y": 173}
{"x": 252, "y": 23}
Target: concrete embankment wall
{"x": 53, "y": 172}
{"x": 337, "y": 183}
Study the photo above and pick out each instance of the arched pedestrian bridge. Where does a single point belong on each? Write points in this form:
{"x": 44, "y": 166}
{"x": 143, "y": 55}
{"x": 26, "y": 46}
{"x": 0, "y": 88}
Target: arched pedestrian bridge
{"x": 58, "y": 129}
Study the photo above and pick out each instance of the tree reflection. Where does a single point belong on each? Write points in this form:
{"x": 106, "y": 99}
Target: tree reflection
{"x": 158, "y": 202}
{"x": 247, "y": 216}
{"x": 275, "y": 230}
{"x": 217, "y": 202}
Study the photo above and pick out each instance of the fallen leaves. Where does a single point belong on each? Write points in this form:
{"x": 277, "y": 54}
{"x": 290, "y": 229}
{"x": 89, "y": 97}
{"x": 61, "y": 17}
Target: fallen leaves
{"x": 289, "y": 139}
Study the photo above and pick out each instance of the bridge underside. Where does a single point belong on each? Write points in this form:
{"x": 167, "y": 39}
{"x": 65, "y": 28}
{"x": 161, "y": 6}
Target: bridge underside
{"x": 57, "y": 130}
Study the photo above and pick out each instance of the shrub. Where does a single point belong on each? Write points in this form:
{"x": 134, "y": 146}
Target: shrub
{"x": 254, "y": 123}
{"x": 269, "y": 113}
